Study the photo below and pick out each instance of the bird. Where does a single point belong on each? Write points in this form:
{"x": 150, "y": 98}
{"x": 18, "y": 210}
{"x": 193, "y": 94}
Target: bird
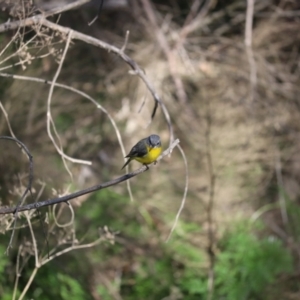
{"x": 146, "y": 151}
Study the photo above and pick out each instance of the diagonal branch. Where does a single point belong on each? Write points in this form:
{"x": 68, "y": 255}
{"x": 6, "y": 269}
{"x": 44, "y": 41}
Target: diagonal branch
{"x": 94, "y": 188}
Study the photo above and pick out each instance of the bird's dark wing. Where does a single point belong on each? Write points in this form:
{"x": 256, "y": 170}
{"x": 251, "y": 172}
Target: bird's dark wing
{"x": 139, "y": 150}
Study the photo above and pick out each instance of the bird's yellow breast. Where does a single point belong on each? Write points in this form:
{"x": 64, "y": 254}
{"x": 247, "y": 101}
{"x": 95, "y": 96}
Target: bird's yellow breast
{"x": 151, "y": 156}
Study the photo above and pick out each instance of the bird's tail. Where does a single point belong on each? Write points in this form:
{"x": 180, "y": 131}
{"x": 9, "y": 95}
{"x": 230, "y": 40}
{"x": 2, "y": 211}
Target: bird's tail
{"x": 127, "y": 162}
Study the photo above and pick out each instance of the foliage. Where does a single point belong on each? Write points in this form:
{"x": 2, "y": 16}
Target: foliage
{"x": 246, "y": 264}
{"x": 50, "y": 283}
{"x": 5, "y": 289}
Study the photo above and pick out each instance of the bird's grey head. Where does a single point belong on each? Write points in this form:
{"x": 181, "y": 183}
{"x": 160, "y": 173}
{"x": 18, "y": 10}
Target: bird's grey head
{"x": 154, "y": 140}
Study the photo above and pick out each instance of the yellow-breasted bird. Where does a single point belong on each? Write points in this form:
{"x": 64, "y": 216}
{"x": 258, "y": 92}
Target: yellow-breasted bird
{"x": 146, "y": 151}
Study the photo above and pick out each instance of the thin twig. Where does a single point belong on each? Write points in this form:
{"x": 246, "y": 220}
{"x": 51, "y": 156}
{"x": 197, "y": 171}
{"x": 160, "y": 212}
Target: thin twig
{"x": 184, "y": 194}
{"x": 280, "y": 185}
{"x": 126, "y": 41}
{"x": 10, "y": 42}
{"x": 17, "y": 272}
{"x": 127, "y": 167}
{"x": 73, "y": 247}
{"x": 37, "y": 264}
{"x": 20, "y": 49}
{"x": 65, "y": 224}
{"x": 34, "y": 244}
{"x": 49, "y": 117}
{"x": 249, "y": 49}
{"x": 28, "y": 283}
{"x": 210, "y": 208}
{"x": 7, "y": 119}
{"x": 98, "y": 13}
{"x": 24, "y": 61}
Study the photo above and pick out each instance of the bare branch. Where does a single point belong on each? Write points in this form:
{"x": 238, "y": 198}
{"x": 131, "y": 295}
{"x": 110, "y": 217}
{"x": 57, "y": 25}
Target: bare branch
{"x": 7, "y": 119}
{"x": 17, "y": 272}
{"x": 280, "y": 184}
{"x": 184, "y": 194}
{"x": 98, "y": 12}
{"x": 126, "y": 41}
{"x": 69, "y": 223}
{"x": 49, "y": 117}
{"x": 40, "y": 20}
{"x": 97, "y": 187}
{"x": 249, "y": 49}
{"x": 32, "y": 276}
{"x": 210, "y": 207}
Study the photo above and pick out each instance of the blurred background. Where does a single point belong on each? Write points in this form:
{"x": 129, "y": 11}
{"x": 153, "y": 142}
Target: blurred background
{"x": 228, "y": 73}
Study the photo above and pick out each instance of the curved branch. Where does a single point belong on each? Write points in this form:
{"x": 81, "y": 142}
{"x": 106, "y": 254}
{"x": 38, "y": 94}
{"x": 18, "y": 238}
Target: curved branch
{"x": 39, "y": 20}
